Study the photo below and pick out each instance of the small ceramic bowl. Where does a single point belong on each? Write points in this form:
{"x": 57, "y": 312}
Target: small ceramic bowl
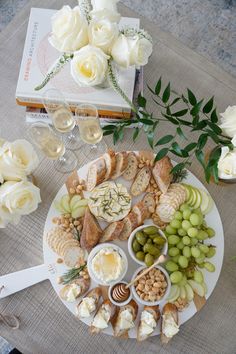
{"x": 93, "y": 253}
{"x": 149, "y": 303}
{"x": 111, "y": 298}
{"x": 131, "y": 238}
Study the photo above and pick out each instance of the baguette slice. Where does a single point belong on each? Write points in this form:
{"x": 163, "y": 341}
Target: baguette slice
{"x": 133, "y": 308}
{"x": 96, "y": 174}
{"x": 150, "y": 201}
{"x": 110, "y": 310}
{"x": 110, "y": 161}
{"x": 141, "y": 211}
{"x": 132, "y": 168}
{"x": 95, "y": 294}
{"x": 91, "y": 232}
{"x": 112, "y": 232}
{"x": 121, "y": 164}
{"x": 155, "y": 312}
{"x": 141, "y": 181}
{"x": 168, "y": 309}
{"x": 130, "y": 223}
{"x": 161, "y": 173}
{"x": 84, "y": 286}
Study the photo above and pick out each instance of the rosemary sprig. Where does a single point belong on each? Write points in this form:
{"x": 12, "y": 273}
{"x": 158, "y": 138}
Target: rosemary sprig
{"x": 72, "y": 274}
{"x": 179, "y": 176}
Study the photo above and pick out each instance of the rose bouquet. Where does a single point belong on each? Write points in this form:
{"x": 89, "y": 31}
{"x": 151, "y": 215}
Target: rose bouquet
{"x": 18, "y": 196}
{"x": 88, "y": 36}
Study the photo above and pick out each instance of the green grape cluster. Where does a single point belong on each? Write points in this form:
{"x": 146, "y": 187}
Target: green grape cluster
{"x": 186, "y": 234}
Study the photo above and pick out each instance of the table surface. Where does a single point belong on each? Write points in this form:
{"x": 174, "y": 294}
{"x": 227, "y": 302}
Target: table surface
{"x": 47, "y": 327}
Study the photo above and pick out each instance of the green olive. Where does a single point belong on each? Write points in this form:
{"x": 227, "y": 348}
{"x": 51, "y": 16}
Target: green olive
{"x": 141, "y": 238}
{"x": 150, "y": 230}
{"x": 153, "y": 250}
{"x": 149, "y": 241}
{"x": 140, "y": 255}
{"x": 153, "y": 236}
{"x": 149, "y": 260}
{"x": 159, "y": 240}
{"x": 136, "y": 246}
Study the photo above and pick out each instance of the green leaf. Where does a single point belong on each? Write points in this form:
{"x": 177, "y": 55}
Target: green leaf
{"x": 146, "y": 121}
{"x": 184, "y": 99}
{"x": 181, "y": 133}
{"x": 180, "y": 113}
{"x": 107, "y": 132}
{"x": 175, "y": 146}
{"x": 200, "y": 156}
{"x": 200, "y": 125}
{"x": 191, "y": 97}
{"x": 121, "y": 133}
{"x": 171, "y": 119}
{"x": 164, "y": 140}
{"x": 109, "y": 127}
{"x": 196, "y": 108}
{"x": 115, "y": 137}
{"x": 151, "y": 90}
{"x": 207, "y": 171}
{"x": 215, "y": 172}
{"x": 215, "y": 155}
{"x": 216, "y": 129}
{"x": 184, "y": 122}
{"x": 168, "y": 111}
{"x": 213, "y": 136}
{"x": 209, "y": 105}
{"x": 202, "y": 141}
{"x": 158, "y": 87}
{"x": 150, "y": 137}
{"x": 136, "y": 133}
{"x": 214, "y": 117}
{"x": 162, "y": 153}
{"x": 166, "y": 93}
{"x": 142, "y": 101}
{"x": 196, "y": 120}
{"x": 190, "y": 147}
{"x": 175, "y": 101}
{"x": 178, "y": 167}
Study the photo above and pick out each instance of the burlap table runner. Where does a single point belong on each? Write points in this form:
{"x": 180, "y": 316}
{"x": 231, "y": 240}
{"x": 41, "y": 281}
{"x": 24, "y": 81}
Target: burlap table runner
{"x": 47, "y": 327}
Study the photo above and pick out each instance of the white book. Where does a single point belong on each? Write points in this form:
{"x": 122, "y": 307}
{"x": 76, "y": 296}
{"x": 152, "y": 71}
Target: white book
{"x": 38, "y": 57}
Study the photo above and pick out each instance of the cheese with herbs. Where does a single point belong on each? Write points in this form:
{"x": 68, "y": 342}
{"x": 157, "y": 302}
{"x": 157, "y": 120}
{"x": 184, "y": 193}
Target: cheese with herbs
{"x": 110, "y": 201}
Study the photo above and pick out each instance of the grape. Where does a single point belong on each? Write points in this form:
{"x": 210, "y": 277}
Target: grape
{"x": 211, "y": 252}
{"x": 194, "y": 241}
{"x": 201, "y": 265}
{"x": 175, "y": 258}
{"x": 211, "y": 232}
{"x": 182, "y": 232}
{"x": 202, "y": 235}
{"x": 195, "y": 219}
{"x": 186, "y": 240}
{"x": 187, "y": 251}
{"x": 171, "y": 266}
{"x": 178, "y": 215}
{"x": 209, "y": 266}
{"x": 189, "y": 273}
{"x": 186, "y": 225}
{"x": 183, "y": 262}
{"x": 198, "y": 276}
{"x": 195, "y": 252}
{"x": 200, "y": 259}
{"x": 204, "y": 248}
{"x": 184, "y": 207}
{"x": 192, "y": 232}
{"x": 186, "y": 214}
{"x": 173, "y": 239}
{"x": 174, "y": 251}
{"x": 176, "y": 277}
{"x": 170, "y": 230}
{"x": 180, "y": 245}
{"x": 176, "y": 224}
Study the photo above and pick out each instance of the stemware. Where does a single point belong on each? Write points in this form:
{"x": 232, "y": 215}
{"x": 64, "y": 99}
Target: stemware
{"x": 52, "y": 146}
{"x": 62, "y": 117}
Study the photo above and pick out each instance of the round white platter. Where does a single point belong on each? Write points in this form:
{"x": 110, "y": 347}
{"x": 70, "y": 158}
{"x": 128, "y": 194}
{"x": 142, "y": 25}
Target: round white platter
{"x": 213, "y": 220}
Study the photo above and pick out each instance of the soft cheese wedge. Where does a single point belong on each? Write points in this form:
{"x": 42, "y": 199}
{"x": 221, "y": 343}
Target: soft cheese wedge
{"x": 169, "y": 323}
{"x": 125, "y": 318}
{"x": 88, "y": 304}
{"x": 103, "y": 316}
{"x": 148, "y": 322}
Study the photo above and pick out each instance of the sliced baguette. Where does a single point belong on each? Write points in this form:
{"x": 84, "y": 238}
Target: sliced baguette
{"x": 110, "y": 161}
{"x": 162, "y": 173}
{"x": 141, "y": 211}
{"x": 173, "y": 311}
{"x": 96, "y": 174}
{"x": 155, "y": 312}
{"x": 109, "y": 308}
{"x": 150, "y": 202}
{"x": 132, "y": 167}
{"x": 112, "y": 232}
{"x": 119, "y": 332}
{"x": 130, "y": 223}
{"x": 91, "y": 232}
{"x": 84, "y": 286}
{"x": 141, "y": 181}
{"x": 95, "y": 294}
{"x": 121, "y": 164}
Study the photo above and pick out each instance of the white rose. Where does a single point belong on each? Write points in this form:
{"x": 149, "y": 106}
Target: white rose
{"x": 69, "y": 30}
{"x": 5, "y": 217}
{"x": 105, "y": 9}
{"x": 228, "y": 121}
{"x": 17, "y": 160}
{"x": 227, "y": 161}
{"x": 102, "y": 34}
{"x": 89, "y": 66}
{"x": 19, "y": 198}
{"x": 127, "y": 51}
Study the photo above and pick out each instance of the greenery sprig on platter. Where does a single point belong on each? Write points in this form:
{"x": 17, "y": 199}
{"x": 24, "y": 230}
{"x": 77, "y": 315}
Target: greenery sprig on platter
{"x": 194, "y": 116}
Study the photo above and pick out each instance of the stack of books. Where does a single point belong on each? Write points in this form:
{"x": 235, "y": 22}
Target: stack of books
{"x": 38, "y": 57}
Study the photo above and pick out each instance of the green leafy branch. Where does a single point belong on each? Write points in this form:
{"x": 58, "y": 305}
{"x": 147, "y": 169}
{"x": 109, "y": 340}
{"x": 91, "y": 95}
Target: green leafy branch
{"x": 194, "y": 116}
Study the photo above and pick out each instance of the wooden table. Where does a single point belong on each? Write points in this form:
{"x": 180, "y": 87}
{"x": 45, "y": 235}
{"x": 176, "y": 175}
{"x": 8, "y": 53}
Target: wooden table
{"x": 47, "y": 327}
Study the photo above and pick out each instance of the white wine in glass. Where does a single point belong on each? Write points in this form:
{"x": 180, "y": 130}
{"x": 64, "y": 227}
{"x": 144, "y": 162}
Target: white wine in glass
{"x": 90, "y": 130}
{"x": 63, "y": 120}
{"x": 52, "y": 146}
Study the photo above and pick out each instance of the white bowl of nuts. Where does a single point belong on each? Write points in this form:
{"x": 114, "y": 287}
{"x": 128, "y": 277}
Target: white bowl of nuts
{"x": 152, "y": 288}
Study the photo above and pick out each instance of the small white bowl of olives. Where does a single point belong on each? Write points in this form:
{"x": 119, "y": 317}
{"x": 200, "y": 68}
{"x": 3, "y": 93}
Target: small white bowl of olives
{"x": 146, "y": 243}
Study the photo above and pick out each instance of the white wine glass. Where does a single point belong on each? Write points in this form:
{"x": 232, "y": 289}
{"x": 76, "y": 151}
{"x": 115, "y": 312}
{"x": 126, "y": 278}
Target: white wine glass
{"x": 90, "y": 131}
{"x": 62, "y": 118}
{"x": 52, "y": 146}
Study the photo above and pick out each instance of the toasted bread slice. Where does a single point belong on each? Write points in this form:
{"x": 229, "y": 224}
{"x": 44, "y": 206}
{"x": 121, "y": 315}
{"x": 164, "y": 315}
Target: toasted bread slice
{"x": 110, "y": 310}
{"x": 121, "y": 164}
{"x": 150, "y": 202}
{"x": 130, "y": 223}
{"x": 133, "y": 308}
{"x": 141, "y": 211}
{"x": 132, "y": 167}
{"x": 173, "y": 311}
{"x": 155, "y": 312}
{"x": 141, "y": 181}
{"x": 84, "y": 286}
{"x": 110, "y": 161}
{"x": 91, "y": 232}
{"x": 112, "y": 232}
{"x": 96, "y": 173}
{"x": 95, "y": 294}
{"x": 161, "y": 173}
